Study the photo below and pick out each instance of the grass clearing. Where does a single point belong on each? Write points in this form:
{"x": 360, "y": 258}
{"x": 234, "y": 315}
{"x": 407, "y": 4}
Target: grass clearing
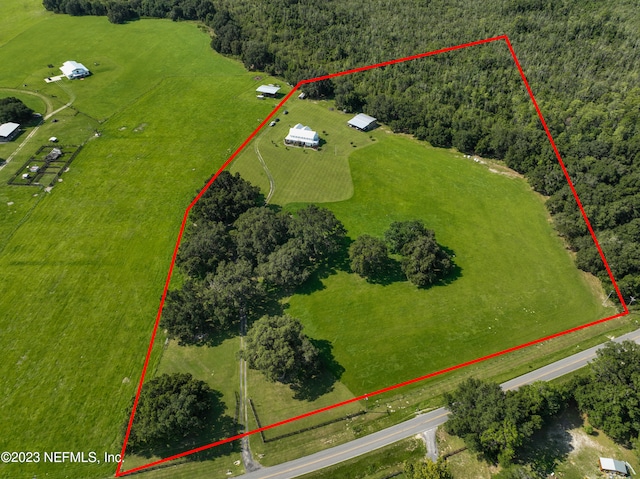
{"x": 381, "y": 464}
{"x": 17, "y": 16}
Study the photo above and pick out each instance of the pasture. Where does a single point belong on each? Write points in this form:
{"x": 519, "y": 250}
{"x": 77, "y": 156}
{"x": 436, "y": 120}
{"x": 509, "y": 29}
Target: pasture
{"x": 516, "y": 281}
{"x": 83, "y": 266}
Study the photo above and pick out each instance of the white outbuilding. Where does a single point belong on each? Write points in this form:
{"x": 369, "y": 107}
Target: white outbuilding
{"x": 301, "y": 135}
{"x": 362, "y": 122}
{"x": 72, "y": 69}
{"x": 8, "y": 131}
{"x": 268, "y": 90}
{"x": 613, "y": 466}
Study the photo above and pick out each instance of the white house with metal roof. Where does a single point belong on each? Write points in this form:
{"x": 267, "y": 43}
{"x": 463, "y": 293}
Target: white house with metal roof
{"x": 8, "y": 131}
{"x": 301, "y": 135}
{"x": 72, "y": 69}
{"x": 362, "y": 122}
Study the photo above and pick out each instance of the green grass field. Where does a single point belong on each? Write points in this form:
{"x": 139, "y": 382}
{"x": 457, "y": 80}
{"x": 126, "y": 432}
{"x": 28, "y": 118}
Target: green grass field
{"x": 517, "y": 282}
{"x": 83, "y": 267}
{"x": 304, "y": 175}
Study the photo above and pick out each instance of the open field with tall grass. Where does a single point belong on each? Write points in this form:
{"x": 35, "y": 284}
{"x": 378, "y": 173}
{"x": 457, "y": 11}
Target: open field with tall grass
{"x": 83, "y": 266}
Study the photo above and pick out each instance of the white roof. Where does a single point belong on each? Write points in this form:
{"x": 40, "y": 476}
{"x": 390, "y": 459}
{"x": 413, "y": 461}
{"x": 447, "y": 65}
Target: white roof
{"x": 608, "y": 464}
{"x": 302, "y": 133}
{"x": 361, "y": 121}
{"x": 7, "y": 128}
{"x": 269, "y": 89}
{"x": 70, "y": 66}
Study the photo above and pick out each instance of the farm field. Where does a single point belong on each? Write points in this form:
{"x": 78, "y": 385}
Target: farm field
{"x": 83, "y": 266}
{"x": 516, "y": 281}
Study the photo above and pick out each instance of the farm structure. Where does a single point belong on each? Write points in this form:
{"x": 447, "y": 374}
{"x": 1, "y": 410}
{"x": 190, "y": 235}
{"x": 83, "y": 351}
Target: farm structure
{"x": 8, "y": 131}
{"x": 301, "y": 135}
{"x": 45, "y": 167}
{"x": 72, "y": 69}
{"x": 613, "y": 467}
{"x": 362, "y": 122}
{"x": 268, "y": 90}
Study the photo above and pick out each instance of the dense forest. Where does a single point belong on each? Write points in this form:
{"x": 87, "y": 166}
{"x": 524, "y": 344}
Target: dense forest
{"x": 581, "y": 58}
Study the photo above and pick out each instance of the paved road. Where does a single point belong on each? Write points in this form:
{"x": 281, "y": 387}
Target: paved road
{"x": 419, "y": 424}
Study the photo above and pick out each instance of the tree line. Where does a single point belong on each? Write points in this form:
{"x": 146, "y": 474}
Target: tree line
{"x": 120, "y": 11}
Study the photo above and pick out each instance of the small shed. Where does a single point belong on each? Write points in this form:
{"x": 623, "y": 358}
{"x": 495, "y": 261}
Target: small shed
{"x": 72, "y": 69}
{"x": 8, "y": 131}
{"x": 301, "y": 135}
{"x": 54, "y": 154}
{"x": 268, "y": 90}
{"x": 362, "y": 122}
{"x": 612, "y": 466}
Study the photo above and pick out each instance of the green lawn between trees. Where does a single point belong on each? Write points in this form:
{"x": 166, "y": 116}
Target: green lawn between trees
{"x": 83, "y": 267}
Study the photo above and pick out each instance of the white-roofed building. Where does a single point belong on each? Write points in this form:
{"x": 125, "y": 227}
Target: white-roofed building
{"x": 8, "y": 131}
{"x": 613, "y": 466}
{"x": 268, "y": 90}
{"x": 362, "y": 122}
{"x": 301, "y": 135}
{"x": 72, "y": 69}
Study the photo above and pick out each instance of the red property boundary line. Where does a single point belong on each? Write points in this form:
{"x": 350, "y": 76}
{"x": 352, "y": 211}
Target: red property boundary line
{"x": 120, "y": 473}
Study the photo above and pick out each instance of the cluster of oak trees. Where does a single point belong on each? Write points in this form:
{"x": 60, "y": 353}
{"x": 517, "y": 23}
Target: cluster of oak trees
{"x": 499, "y": 424}
{"x": 239, "y": 256}
{"x": 424, "y": 261}
{"x": 13, "y": 110}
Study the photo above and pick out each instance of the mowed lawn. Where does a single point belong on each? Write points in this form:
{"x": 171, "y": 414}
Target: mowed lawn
{"x": 83, "y": 267}
{"x": 517, "y": 282}
{"x": 304, "y": 174}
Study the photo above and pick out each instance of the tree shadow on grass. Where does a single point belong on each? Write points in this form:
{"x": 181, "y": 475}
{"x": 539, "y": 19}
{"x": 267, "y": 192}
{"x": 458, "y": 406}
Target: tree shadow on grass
{"x": 390, "y": 273}
{"x": 454, "y": 274}
{"x": 552, "y": 444}
{"x": 338, "y": 261}
{"x": 323, "y": 382}
{"x": 217, "y": 426}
